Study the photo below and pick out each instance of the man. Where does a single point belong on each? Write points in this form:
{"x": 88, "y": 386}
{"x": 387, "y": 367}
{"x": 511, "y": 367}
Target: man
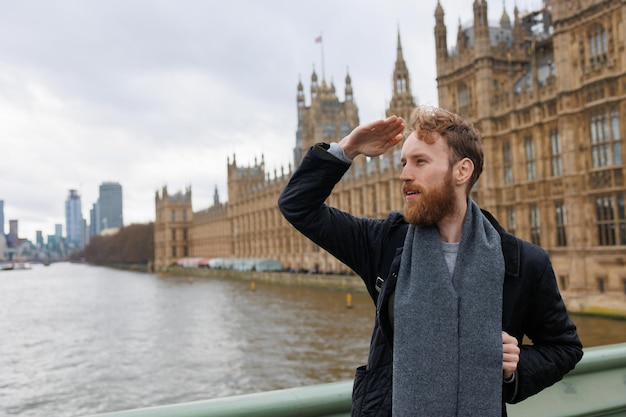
{"x": 455, "y": 294}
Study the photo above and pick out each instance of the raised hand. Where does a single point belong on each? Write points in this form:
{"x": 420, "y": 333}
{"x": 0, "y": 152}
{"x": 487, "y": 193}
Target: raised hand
{"x": 373, "y": 139}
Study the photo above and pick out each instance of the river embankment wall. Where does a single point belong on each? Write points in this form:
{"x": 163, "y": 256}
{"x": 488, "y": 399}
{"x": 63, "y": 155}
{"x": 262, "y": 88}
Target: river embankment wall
{"x": 350, "y": 283}
{"x": 601, "y": 305}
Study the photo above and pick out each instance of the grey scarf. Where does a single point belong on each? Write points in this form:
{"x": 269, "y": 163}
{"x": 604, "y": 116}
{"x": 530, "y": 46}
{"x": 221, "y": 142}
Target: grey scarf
{"x": 448, "y": 330}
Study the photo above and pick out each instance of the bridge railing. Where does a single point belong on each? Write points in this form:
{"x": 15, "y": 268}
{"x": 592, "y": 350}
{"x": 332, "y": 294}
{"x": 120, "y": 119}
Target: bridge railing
{"x": 597, "y": 387}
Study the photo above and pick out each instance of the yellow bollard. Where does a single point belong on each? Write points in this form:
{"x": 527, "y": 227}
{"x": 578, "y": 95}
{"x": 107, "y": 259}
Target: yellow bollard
{"x": 252, "y": 285}
{"x": 348, "y": 300}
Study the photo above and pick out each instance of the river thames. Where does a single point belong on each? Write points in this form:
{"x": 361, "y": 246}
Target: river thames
{"x": 80, "y": 340}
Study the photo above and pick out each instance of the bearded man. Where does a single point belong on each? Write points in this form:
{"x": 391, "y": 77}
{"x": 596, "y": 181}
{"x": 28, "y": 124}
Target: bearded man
{"x": 455, "y": 294}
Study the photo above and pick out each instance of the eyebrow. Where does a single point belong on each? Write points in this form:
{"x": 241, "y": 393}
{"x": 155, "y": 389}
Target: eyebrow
{"x": 415, "y": 156}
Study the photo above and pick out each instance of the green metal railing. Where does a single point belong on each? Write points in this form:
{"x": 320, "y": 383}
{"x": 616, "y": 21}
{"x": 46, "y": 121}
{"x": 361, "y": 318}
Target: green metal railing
{"x": 597, "y": 387}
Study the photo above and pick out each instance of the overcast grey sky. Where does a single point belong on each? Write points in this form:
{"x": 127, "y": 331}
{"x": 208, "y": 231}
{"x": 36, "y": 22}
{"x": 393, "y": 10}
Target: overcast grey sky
{"x": 152, "y": 92}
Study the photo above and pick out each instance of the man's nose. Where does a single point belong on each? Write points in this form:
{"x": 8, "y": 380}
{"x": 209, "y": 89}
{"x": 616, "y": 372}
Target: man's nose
{"x": 405, "y": 175}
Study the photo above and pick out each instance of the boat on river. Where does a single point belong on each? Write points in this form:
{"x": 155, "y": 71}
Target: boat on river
{"x": 12, "y": 266}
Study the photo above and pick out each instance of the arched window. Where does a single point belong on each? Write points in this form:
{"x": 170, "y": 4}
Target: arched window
{"x": 401, "y": 84}
{"x": 606, "y": 143}
{"x": 464, "y": 99}
{"x": 597, "y": 44}
{"x": 507, "y": 162}
{"x": 531, "y": 163}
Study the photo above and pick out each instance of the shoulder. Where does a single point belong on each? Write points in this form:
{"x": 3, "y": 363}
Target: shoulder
{"x": 382, "y": 232}
{"x": 396, "y": 219}
{"x": 532, "y": 253}
{"x": 521, "y": 257}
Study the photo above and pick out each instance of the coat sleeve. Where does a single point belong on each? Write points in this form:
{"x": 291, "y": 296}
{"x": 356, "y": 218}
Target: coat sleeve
{"x": 355, "y": 241}
{"x": 555, "y": 347}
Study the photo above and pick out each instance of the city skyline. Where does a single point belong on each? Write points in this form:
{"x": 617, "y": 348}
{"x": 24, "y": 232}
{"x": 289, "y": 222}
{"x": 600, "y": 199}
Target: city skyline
{"x": 110, "y": 196}
{"x": 175, "y": 90}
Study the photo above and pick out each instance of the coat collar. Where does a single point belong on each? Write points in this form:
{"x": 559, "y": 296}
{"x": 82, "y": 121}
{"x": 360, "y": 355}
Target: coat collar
{"x": 510, "y": 246}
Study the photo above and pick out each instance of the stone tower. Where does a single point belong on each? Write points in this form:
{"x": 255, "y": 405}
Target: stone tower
{"x": 547, "y": 92}
{"x": 402, "y": 101}
{"x": 480, "y": 64}
{"x": 172, "y": 226}
{"x": 242, "y": 179}
{"x": 326, "y": 119}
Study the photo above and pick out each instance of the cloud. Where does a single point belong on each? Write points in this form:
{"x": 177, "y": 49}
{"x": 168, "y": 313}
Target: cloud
{"x": 154, "y": 92}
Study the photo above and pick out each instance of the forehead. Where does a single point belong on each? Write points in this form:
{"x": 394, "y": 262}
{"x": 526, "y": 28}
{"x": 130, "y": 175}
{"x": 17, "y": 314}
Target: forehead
{"x": 415, "y": 146}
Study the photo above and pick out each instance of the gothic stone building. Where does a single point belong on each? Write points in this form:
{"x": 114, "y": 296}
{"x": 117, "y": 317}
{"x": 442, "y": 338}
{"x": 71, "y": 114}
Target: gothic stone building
{"x": 547, "y": 93}
{"x": 547, "y": 90}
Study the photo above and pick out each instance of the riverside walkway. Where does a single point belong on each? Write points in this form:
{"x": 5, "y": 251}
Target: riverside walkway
{"x": 597, "y": 387}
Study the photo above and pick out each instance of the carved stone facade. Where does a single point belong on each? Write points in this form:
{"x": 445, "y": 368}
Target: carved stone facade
{"x": 174, "y": 219}
{"x": 212, "y": 231}
{"x": 547, "y": 91}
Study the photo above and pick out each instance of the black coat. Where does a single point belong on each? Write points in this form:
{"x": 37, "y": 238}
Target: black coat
{"x": 532, "y": 304}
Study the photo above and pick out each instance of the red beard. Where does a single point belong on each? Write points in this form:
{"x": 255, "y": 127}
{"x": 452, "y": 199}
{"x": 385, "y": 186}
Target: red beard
{"x": 432, "y": 205}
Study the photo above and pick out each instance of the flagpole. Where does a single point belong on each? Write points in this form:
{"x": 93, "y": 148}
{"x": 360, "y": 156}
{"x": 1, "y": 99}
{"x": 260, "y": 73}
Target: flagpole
{"x": 320, "y": 40}
{"x": 322, "y": 47}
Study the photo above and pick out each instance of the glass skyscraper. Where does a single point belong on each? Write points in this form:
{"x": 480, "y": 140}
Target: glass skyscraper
{"x": 109, "y": 209}
{"x": 74, "y": 222}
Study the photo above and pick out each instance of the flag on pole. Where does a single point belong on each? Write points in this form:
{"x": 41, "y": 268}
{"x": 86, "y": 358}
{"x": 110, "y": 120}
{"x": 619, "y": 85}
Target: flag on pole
{"x": 319, "y": 40}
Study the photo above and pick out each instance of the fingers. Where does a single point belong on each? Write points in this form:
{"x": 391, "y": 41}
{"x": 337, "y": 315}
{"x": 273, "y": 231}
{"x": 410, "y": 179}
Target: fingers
{"x": 507, "y": 338}
{"x": 392, "y": 125}
{"x": 508, "y": 369}
{"x": 510, "y": 354}
{"x": 373, "y": 138}
{"x": 509, "y": 344}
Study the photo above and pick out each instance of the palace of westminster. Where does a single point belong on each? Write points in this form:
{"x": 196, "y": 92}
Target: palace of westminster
{"x": 547, "y": 90}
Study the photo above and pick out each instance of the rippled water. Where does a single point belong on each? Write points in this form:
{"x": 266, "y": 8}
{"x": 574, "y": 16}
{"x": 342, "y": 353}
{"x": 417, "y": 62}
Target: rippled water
{"x": 78, "y": 340}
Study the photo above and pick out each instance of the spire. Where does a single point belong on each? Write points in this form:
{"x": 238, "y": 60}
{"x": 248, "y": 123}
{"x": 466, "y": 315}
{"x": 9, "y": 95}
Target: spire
{"x": 505, "y": 22}
{"x": 518, "y": 31}
{"x": 314, "y": 85}
{"x": 399, "y": 56}
{"x": 300, "y": 95}
{"x": 216, "y": 197}
{"x": 402, "y": 102}
{"x": 480, "y": 14}
{"x": 441, "y": 33}
{"x": 439, "y": 13}
{"x": 460, "y": 38}
{"x": 482, "y": 42}
{"x": 400, "y": 73}
{"x": 348, "y": 91}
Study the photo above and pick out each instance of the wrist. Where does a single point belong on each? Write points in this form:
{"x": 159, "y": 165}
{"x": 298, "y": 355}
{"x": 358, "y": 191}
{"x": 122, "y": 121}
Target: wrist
{"x": 510, "y": 379}
{"x": 338, "y": 152}
{"x": 349, "y": 151}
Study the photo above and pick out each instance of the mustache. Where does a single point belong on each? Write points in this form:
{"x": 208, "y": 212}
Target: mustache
{"x": 415, "y": 189}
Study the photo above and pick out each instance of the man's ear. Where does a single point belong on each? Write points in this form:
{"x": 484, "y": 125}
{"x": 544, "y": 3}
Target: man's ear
{"x": 463, "y": 171}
